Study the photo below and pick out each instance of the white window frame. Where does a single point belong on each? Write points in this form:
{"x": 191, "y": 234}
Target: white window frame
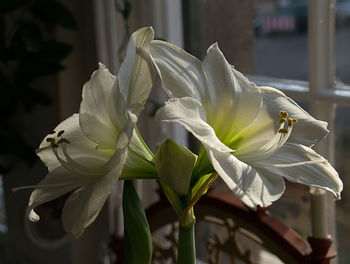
{"x": 321, "y": 91}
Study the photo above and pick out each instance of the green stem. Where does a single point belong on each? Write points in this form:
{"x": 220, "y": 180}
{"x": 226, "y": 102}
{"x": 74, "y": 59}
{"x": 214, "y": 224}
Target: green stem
{"x": 186, "y": 246}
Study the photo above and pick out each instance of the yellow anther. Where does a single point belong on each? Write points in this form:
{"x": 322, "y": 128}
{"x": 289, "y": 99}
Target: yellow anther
{"x": 283, "y": 130}
{"x": 281, "y": 121}
{"x": 52, "y": 142}
{"x": 290, "y": 122}
{"x": 294, "y": 120}
{"x": 284, "y": 114}
{"x": 60, "y": 133}
{"x": 63, "y": 140}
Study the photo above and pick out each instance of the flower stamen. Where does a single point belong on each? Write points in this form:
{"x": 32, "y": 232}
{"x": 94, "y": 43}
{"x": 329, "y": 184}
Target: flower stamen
{"x": 70, "y": 164}
{"x": 291, "y": 121}
{"x": 284, "y": 114}
{"x": 60, "y": 133}
{"x": 283, "y": 131}
{"x": 63, "y": 140}
{"x": 283, "y": 120}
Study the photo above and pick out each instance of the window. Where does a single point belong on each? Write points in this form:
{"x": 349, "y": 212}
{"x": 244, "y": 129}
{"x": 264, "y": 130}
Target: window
{"x": 301, "y": 48}
{"x": 267, "y": 39}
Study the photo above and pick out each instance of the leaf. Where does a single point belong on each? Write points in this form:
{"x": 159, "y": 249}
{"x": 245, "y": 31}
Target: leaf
{"x": 137, "y": 235}
{"x": 53, "y": 51}
{"x": 8, "y": 98}
{"x": 28, "y": 37}
{"x": 8, "y": 6}
{"x": 173, "y": 198}
{"x": 2, "y": 37}
{"x": 55, "y": 12}
{"x": 31, "y": 97}
{"x": 13, "y": 143}
{"x": 127, "y": 10}
{"x": 202, "y": 186}
{"x": 30, "y": 70}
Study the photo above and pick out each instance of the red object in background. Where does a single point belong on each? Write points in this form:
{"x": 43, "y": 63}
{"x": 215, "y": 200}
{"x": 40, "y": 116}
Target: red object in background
{"x": 272, "y": 24}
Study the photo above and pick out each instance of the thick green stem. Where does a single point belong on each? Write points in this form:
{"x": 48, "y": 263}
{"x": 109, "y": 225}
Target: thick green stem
{"x": 186, "y": 248}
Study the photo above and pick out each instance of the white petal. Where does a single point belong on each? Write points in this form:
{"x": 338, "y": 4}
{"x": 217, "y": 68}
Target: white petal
{"x": 181, "y": 73}
{"x": 122, "y": 144}
{"x": 260, "y": 150}
{"x": 190, "y": 113}
{"x": 301, "y": 164}
{"x": 307, "y": 130}
{"x": 83, "y": 206}
{"x": 234, "y": 101}
{"x": 137, "y": 72}
{"x": 97, "y": 117}
{"x": 80, "y": 146}
{"x": 54, "y": 185}
{"x": 247, "y": 183}
{"x": 33, "y": 216}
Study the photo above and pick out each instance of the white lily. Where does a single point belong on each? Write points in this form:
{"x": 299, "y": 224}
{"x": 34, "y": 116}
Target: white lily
{"x": 88, "y": 152}
{"x": 250, "y": 133}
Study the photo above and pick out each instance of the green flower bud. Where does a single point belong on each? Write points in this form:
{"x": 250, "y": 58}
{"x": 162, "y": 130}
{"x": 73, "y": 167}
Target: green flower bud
{"x": 174, "y": 164}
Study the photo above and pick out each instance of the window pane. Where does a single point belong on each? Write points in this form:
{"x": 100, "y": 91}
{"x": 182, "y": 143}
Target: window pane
{"x": 280, "y": 51}
{"x": 342, "y": 154}
{"x": 342, "y": 43}
{"x": 293, "y": 208}
{"x": 281, "y": 38}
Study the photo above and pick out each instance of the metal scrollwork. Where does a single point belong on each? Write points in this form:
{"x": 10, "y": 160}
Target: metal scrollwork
{"x": 163, "y": 253}
{"x": 166, "y": 251}
{"x": 229, "y": 232}
{"x": 230, "y": 246}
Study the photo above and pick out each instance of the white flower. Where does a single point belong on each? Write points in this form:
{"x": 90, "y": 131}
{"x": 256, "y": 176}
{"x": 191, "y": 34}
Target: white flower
{"x": 250, "y": 133}
{"x": 88, "y": 151}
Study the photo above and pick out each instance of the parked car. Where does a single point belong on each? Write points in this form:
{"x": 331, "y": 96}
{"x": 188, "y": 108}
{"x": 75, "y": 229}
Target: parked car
{"x": 290, "y": 18}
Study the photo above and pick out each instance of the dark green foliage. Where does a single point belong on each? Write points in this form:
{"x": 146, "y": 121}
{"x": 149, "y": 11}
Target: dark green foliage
{"x": 8, "y": 6}
{"x": 28, "y": 52}
{"x": 127, "y": 10}
{"x": 54, "y": 12}
{"x": 27, "y": 39}
{"x": 53, "y": 51}
{"x": 13, "y": 145}
{"x": 31, "y": 97}
{"x": 30, "y": 69}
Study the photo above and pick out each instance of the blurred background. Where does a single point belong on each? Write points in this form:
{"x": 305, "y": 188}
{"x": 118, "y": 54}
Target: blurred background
{"x": 49, "y": 48}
